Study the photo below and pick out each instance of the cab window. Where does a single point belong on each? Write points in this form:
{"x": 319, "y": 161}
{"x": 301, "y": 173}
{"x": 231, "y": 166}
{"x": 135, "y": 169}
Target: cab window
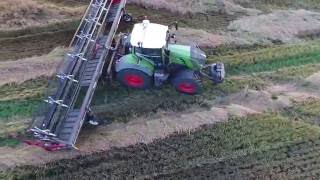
{"x": 149, "y": 52}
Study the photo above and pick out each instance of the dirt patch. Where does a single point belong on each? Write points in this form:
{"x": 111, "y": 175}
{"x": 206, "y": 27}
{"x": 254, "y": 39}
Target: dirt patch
{"x": 30, "y": 68}
{"x": 279, "y": 26}
{"x": 24, "y": 13}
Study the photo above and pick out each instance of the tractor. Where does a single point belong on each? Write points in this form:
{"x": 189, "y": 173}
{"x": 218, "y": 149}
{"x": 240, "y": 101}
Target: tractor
{"x": 152, "y": 58}
{"x": 147, "y": 57}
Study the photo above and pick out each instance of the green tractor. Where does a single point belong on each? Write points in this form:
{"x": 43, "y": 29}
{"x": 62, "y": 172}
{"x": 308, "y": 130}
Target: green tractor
{"x": 152, "y": 58}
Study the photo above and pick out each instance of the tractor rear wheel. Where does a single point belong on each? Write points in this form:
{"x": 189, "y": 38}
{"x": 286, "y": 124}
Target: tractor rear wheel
{"x": 134, "y": 78}
{"x": 187, "y": 82}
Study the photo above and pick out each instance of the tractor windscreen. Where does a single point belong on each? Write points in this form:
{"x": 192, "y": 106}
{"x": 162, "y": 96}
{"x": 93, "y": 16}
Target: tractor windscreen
{"x": 198, "y": 55}
{"x": 154, "y": 55}
{"x": 149, "y": 52}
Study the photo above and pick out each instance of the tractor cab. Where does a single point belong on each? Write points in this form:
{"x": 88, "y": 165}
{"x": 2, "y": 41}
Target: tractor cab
{"x": 148, "y": 41}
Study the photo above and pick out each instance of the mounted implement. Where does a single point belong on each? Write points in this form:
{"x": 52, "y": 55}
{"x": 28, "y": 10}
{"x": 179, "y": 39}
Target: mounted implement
{"x": 79, "y": 73}
{"x": 145, "y": 58}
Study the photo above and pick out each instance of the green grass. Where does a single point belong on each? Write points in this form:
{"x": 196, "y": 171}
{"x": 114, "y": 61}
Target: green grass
{"x": 30, "y": 89}
{"x": 290, "y": 74}
{"x": 307, "y": 112}
{"x": 16, "y": 108}
{"x": 274, "y": 64}
{"x": 271, "y": 59}
{"x": 9, "y": 142}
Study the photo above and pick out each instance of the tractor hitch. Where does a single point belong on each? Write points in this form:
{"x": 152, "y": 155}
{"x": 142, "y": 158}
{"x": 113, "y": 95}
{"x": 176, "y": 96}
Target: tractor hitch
{"x": 215, "y": 72}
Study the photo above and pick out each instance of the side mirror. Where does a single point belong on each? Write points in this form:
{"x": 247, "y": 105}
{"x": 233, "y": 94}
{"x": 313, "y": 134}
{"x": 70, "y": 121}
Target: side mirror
{"x": 175, "y": 24}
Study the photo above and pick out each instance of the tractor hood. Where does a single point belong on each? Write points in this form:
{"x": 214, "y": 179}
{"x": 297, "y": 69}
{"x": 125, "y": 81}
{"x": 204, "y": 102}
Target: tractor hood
{"x": 191, "y": 56}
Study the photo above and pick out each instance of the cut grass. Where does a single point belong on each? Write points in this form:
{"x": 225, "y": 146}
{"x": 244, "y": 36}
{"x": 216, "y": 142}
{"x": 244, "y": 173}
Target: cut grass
{"x": 307, "y": 112}
{"x": 269, "y": 5}
{"x": 54, "y": 27}
{"x": 271, "y": 59}
{"x": 290, "y": 74}
{"x": 239, "y": 146}
{"x": 31, "y": 89}
{"x": 8, "y": 142}
{"x": 121, "y": 104}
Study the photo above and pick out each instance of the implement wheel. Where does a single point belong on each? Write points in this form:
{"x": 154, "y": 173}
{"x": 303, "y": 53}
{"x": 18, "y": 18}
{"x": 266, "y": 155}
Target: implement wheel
{"x": 135, "y": 79}
{"x": 187, "y": 82}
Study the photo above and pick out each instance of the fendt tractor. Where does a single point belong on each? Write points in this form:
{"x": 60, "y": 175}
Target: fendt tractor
{"x": 147, "y": 57}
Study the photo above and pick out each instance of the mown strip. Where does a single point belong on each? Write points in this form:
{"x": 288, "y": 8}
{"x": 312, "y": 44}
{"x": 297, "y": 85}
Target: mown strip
{"x": 35, "y": 31}
{"x": 30, "y": 89}
{"x": 269, "y": 5}
{"x": 307, "y": 112}
{"x": 271, "y": 59}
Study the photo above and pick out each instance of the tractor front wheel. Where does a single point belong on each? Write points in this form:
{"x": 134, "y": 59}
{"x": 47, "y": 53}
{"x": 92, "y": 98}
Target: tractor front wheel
{"x": 187, "y": 82}
{"x": 134, "y": 79}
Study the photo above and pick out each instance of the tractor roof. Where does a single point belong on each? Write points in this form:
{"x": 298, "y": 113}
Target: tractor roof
{"x": 149, "y": 35}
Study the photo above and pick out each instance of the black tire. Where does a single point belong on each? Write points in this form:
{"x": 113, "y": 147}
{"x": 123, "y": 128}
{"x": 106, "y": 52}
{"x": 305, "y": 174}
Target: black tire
{"x": 187, "y": 82}
{"x": 135, "y": 79}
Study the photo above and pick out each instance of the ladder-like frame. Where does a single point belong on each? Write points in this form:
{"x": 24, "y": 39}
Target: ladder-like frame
{"x": 80, "y": 72}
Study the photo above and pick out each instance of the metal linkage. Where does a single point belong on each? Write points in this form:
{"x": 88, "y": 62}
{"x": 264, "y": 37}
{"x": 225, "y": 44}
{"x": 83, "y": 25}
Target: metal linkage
{"x": 63, "y": 76}
{"x": 50, "y": 100}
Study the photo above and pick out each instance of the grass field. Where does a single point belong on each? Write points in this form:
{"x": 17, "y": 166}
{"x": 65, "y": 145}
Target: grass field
{"x": 119, "y": 104}
{"x": 282, "y": 144}
{"x": 265, "y": 146}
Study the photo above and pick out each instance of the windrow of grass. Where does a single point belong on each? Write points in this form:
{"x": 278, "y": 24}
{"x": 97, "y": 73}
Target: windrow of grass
{"x": 35, "y": 31}
{"x": 271, "y": 59}
{"x": 226, "y": 150}
{"x": 307, "y": 112}
{"x": 269, "y": 5}
{"x": 31, "y": 89}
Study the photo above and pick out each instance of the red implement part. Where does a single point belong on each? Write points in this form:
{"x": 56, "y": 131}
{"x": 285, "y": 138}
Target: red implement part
{"x": 48, "y": 146}
{"x": 116, "y": 1}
